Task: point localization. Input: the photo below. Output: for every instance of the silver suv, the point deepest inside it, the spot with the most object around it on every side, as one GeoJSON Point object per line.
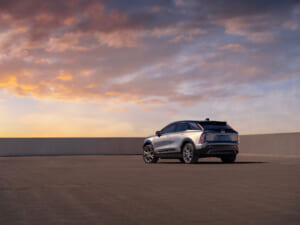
{"type": "Point", "coordinates": [188, 140]}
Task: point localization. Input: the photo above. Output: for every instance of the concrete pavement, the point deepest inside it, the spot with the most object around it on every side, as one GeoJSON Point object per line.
{"type": "Point", "coordinates": [123, 190]}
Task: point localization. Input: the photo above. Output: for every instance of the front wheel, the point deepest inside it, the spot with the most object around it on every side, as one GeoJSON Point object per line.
{"type": "Point", "coordinates": [188, 154]}
{"type": "Point", "coordinates": [148, 154]}
{"type": "Point", "coordinates": [228, 158]}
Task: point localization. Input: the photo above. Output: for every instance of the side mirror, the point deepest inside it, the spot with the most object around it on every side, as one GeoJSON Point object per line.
{"type": "Point", "coordinates": [158, 133]}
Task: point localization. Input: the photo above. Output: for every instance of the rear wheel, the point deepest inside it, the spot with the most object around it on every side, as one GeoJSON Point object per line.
{"type": "Point", "coordinates": [188, 153]}
{"type": "Point", "coordinates": [181, 160]}
{"type": "Point", "coordinates": [228, 158]}
{"type": "Point", "coordinates": [148, 154]}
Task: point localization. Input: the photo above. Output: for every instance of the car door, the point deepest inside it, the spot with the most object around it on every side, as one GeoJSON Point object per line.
{"type": "Point", "coordinates": [163, 143]}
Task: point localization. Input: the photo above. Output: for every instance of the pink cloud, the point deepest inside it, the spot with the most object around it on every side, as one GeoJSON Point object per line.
{"type": "Point", "coordinates": [233, 47]}
{"type": "Point", "coordinates": [69, 41]}
{"type": "Point", "coordinates": [243, 97]}
{"type": "Point", "coordinates": [251, 27]}
{"type": "Point", "coordinates": [115, 55]}
{"type": "Point", "coordinates": [119, 39]}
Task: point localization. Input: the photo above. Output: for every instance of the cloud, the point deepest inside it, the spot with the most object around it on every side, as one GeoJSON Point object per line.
{"type": "Point", "coordinates": [243, 97]}
{"type": "Point", "coordinates": [147, 61]}
{"type": "Point", "coordinates": [65, 76]}
{"type": "Point", "coordinates": [234, 47]}
{"type": "Point", "coordinates": [117, 109]}
{"type": "Point", "coordinates": [167, 112]}
{"type": "Point", "coordinates": [251, 27]}
{"type": "Point", "coordinates": [149, 53]}
{"type": "Point", "coordinates": [69, 41]}
{"type": "Point", "coordinates": [119, 39]}
{"type": "Point", "coordinates": [147, 109]}
{"type": "Point", "coordinates": [149, 102]}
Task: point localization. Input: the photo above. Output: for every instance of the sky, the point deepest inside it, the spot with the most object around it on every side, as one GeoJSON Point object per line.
{"type": "Point", "coordinates": [99, 68]}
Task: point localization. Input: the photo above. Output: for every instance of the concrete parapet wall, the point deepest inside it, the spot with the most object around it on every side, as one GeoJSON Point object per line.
{"type": "Point", "coordinates": [272, 144]}
{"type": "Point", "coordinates": [70, 146]}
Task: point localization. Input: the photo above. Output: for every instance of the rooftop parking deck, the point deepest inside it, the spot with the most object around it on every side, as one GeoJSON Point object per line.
{"type": "Point", "coordinates": [123, 190]}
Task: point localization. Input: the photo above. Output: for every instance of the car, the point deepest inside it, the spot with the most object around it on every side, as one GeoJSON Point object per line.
{"type": "Point", "coordinates": [189, 140]}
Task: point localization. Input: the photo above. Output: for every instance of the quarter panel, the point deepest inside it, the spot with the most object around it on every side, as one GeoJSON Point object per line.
{"type": "Point", "coordinates": [194, 135]}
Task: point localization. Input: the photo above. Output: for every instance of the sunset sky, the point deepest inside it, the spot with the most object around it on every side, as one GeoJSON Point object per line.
{"type": "Point", "coordinates": [100, 68]}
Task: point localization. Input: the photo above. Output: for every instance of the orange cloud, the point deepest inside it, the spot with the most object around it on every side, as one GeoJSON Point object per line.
{"type": "Point", "coordinates": [86, 72]}
{"type": "Point", "coordinates": [9, 81]}
{"type": "Point", "coordinates": [27, 87]}
{"type": "Point", "coordinates": [112, 93]}
{"type": "Point", "coordinates": [21, 29]}
{"type": "Point", "coordinates": [91, 86]}
{"type": "Point", "coordinates": [120, 96]}
{"type": "Point", "coordinates": [65, 76]}
{"type": "Point", "coordinates": [117, 109]}
{"type": "Point", "coordinates": [147, 109]}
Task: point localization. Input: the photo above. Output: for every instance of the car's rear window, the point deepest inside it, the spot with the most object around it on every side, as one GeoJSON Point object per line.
{"type": "Point", "coordinates": [216, 126]}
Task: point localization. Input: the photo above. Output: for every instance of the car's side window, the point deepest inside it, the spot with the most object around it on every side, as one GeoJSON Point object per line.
{"type": "Point", "coordinates": [181, 127]}
{"type": "Point", "coordinates": [194, 126]}
{"type": "Point", "coordinates": [169, 129]}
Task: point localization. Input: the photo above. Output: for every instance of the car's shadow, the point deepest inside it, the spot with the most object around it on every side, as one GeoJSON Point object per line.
{"type": "Point", "coordinates": [213, 163]}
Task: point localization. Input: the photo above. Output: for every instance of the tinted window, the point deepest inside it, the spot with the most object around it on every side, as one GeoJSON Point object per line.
{"type": "Point", "coordinates": [168, 129]}
{"type": "Point", "coordinates": [216, 123]}
{"type": "Point", "coordinates": [194, 126]}
{"type": "Point", "coordinates": [181, 127]}
{"type": "Point", "coordinates": [217, 126]}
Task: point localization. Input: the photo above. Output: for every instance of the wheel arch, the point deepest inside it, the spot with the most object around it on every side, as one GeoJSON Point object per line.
{"type": "Point", "coordinates": [186, 140]}
{"type": "Point", "coordinates": [148, 142]}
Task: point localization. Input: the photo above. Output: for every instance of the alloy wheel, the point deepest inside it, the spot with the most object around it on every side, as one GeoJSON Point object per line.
{"type": "Point", "coordinates": [188, 153]}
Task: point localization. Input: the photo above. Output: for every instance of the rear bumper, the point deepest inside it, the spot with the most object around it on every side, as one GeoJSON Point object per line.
{"type": "Point", "coordinates": [217, 149]}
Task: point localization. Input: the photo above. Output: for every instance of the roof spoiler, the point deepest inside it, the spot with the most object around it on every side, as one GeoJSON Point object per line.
{"type": "Point", "coordinates": [209, 122]}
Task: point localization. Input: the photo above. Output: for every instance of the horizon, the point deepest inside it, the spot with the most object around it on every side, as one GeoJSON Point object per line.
{"type": "Point", "coordinates": [126, 69]}
{"type": "Point", "coordinates": [70, 137]}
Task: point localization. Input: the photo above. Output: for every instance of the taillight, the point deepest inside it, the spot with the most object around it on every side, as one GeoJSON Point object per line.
{"type": "Point", "coordinates": [202, 139]}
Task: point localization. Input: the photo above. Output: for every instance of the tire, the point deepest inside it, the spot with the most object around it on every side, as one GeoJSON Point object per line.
{"type": "Point", "coordinates": [148, 154]}
{"type": "Point", "coordinates": [228, 158]}
{"type": "Point", "coordinates": [188, 154]}
{"type": "Point", "coordinates": [181, 160]}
